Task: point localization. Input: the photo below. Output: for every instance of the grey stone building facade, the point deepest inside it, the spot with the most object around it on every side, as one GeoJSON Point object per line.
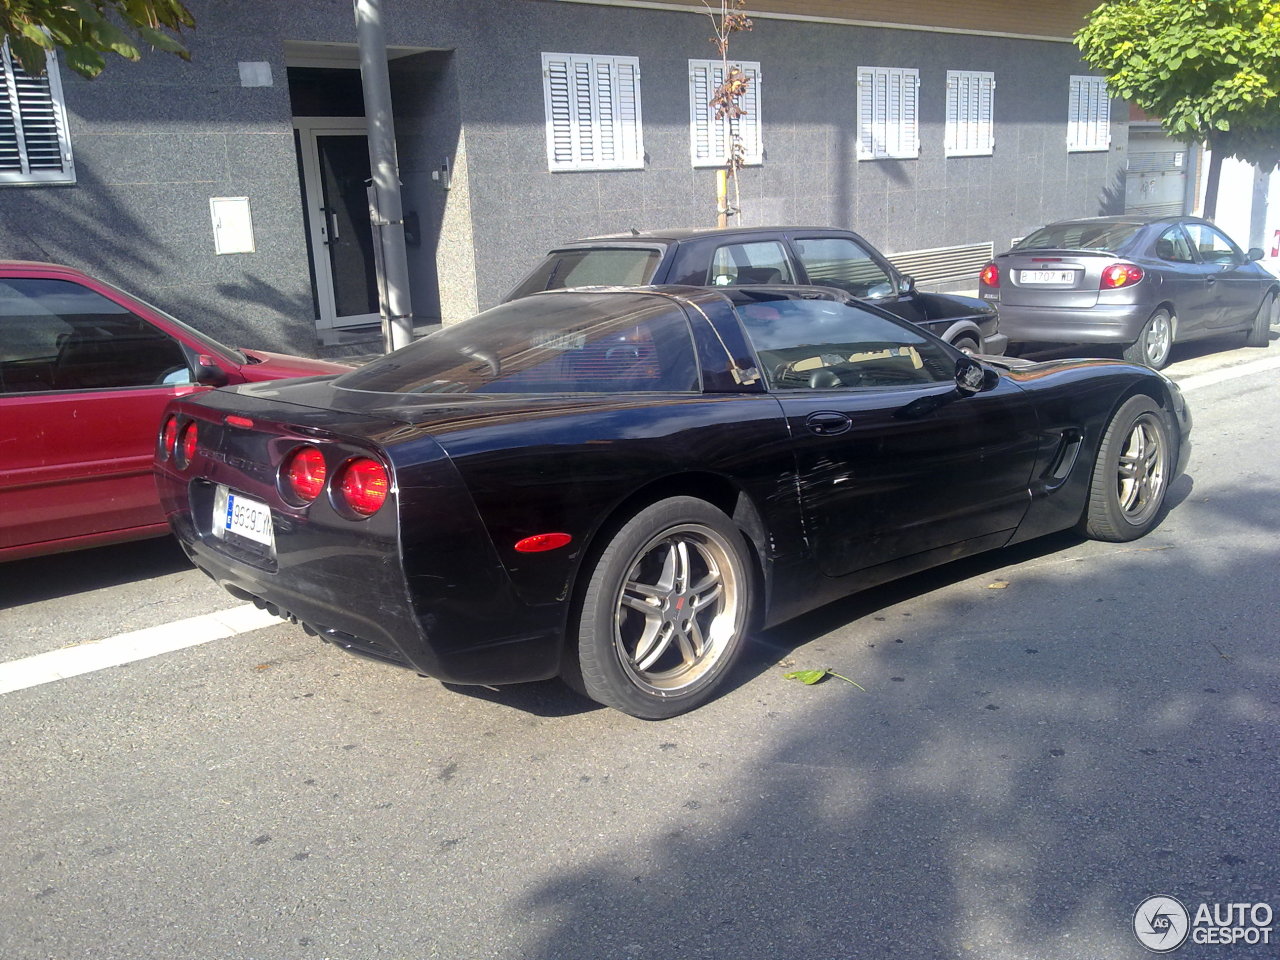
{"type": "Point", "coordinates": [269, 109]}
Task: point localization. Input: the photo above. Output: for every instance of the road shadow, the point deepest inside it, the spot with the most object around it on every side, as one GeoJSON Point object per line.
{"type": "Point", "coordinates": [65, 574]}
{"type": "Point", "coordinates": [1009, 785]}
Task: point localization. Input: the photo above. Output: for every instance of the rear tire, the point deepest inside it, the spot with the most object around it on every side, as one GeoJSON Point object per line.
{"type": "Point", "coordinates": [967, 345]}
{"type": "Point", "coordinates": [1260, 332]}
{"type": "Point", "coordinates": [1154, 343]}
{"type": "Point", "coordinates": [1131, 474]}
{"type": "Point", "coordinates": [665, 611]}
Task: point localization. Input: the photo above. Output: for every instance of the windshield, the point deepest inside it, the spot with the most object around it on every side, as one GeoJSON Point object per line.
{"type": "Point", "coordinates": [1109, 235]}
{"type": "Point", "coordinates": [555, 343]}
{"type": "Point", "coordinates": [591, 267]}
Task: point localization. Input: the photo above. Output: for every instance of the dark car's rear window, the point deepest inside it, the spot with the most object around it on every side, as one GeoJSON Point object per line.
{"type": "Point", "coordinates": [591, 267]}
{"type": "Point", "coordinates": [557, 343]}
{"type": "Point", "coordinates": [1080, 235]}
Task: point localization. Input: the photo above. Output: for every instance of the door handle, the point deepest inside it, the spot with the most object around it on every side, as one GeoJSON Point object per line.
{"type": "Point", "coordinates": [827, 423]}
{"type": "Point", "coordinates": [1210, 280]}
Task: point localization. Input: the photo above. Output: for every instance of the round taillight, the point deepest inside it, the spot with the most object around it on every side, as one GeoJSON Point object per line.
{"type": "Point", "coordinates": [990, 275]}
{"type": "Point", "coordinates": [186, 444]}
{"type": "Point", "coordinates": [304, 474]}
{"type": "Point", "coordinates": [1116, 275]}
{"type": "Point", "coordinates": [362, 486]}
{"type": "Point", "coordinates": [169, 437]}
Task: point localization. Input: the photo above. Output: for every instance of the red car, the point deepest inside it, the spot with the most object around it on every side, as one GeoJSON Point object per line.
{"type": "Point", "coordinates": [85, 371]}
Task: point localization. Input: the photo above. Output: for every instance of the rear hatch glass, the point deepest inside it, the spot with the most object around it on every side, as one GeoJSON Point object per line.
{"type": "Point", "coordinates": [1060, 265]}
{"type": "Point", "coordinates": [591, 267]}
{"type": "Point", "coordinates": [567, 343]}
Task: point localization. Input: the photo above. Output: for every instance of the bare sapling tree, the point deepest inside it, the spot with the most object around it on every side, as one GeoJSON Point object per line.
{"type": "Point", "coordinates": [726, 102]}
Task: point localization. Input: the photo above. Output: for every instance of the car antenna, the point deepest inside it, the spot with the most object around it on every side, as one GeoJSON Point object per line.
{"type": "Point", "coordinates": [635, 232]}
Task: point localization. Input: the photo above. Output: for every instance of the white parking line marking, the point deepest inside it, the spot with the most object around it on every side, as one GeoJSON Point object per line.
{"type": "Point", "coordinates": [128, 647]}
{"type": "Point", "coordinates": [1227, 373]}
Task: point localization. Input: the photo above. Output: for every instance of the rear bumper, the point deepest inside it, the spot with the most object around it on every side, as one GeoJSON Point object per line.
{"type": "Point", "coordinates": [417, 584]}
{"type": "Point", "coordinates": [1104, 323]}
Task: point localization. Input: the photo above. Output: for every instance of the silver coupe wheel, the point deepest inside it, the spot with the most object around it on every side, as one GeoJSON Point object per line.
{"type": "Point", "coordinates": [1131, 473]}
{"type": "Point", "coordinates": [1141, 472]}
{"type": "Point", "coordinates": [679, 607]}
{"type": "Point", "coordinates": [1154, 343]}
{"type": "Point", "coordinates": [664, 611]}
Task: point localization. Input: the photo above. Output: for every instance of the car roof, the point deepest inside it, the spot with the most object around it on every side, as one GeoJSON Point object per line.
{"type": "Point", "coordinates": [37, 266]}
{"type": "Point", "coordinates": [1138, 218]}
{"type": "Point", "coordinates": [679, 234]}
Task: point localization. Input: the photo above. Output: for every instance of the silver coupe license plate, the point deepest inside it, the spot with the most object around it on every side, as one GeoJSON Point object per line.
{"type": "Point", "coordinates": [233, 513]}
{"type": "Point", "coordinates": [1048, 276]}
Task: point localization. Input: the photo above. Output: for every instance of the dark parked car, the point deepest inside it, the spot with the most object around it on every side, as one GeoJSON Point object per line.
{"type": "Point", "coordinates": [1142, 282]}
{"type": "Point", "coordinates": [85, 372]}
{"type": "Point", "coordinates": [616, 486]}
{"type": "Point", "coordinates": [751, 255]}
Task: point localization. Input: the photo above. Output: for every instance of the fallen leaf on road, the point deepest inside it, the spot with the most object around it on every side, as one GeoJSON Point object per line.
{"type": "Point", "coordinates": [810, 677]}
{"type": "Point", "coordinates": [997, 584]}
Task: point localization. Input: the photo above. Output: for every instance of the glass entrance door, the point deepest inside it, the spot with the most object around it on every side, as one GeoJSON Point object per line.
{"type": "Point", "coordinates": [334, 156]}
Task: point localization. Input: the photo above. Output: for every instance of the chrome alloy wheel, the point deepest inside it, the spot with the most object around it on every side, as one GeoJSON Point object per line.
{"type": "Point", "coordinates": [680, 607]}
{"type": "Point", "coordinates": [1142, 470]}
{"type": "Point", "coordinates": [1157, 339]}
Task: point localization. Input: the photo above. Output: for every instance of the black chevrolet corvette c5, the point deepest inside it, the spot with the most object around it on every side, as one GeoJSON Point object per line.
{"type": "Point", "coordinates": [616, 486]}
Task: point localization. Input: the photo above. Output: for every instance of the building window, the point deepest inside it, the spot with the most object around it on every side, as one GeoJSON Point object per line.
{"type": "Point", "coordinates": [970, 129]}
{"type": "Point", "coordinates": [593, 112]}
{"type": "Point", "coordinates": [709, 136]}
{"type": "Point", "coordinates": [1089, 114]}
{"type": "Point", "coordinates": [34, 145]}
{"type": "Point", "coordinates": [888, 113]}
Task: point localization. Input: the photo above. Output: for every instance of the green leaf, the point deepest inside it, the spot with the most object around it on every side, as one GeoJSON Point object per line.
{"type": "Point", "coordinates": [162, 41]}
{"type": "Point", "coordinates": [84, 60]}
{"type": "Point", "coordinates": [809, 677]}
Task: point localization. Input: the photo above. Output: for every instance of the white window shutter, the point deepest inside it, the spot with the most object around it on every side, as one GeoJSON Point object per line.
{"type": "Point", "coordinates": [1088, 114]}
{"type": "Point", "coordinates": [970, 120]}
{"type": "Point", "coordinates": [703, 126]}
{"type": "Point", "coordinates": [34, 143]}
{"type": "Point", "coordinates": [592, 112]}
{"type": "Point", "coordinates": [888, 113]}
{"type": "Point", "coordinates": [709, 135]}
{"type": "Point", "coordinates": [867, 114]}
{"type": "Point", "coordinates": [751, 123]}
{"type": "Point", "coordinates": [629, 134]}
{"type": "Point", "coordinates": [560, 139]}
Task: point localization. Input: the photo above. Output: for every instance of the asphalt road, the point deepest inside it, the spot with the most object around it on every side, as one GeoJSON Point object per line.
{"type": "Point", "coordinates": [1048, 736]}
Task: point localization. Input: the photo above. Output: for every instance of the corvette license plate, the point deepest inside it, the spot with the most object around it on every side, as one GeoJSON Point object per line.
{"type": "Point", "coordinates": [1047, 276]}
{"type": "Point", "coordinates": [233, 513]}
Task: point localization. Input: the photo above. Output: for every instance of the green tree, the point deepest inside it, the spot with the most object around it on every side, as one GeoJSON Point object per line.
{"type": "Point", "coordinates": [1209, 69]}
{"type": "Point", "coordinates": [86, 29]}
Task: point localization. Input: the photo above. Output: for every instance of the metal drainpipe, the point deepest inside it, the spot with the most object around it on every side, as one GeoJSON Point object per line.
{"type": "Point", "coordinates": [386, 212]}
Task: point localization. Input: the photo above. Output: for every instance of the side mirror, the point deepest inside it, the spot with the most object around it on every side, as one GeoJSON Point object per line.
{"type": "Point", "coordinates": [906, 284]}
{"type": "Point", "coordinates": [207, 373]}
{"type": "Point", "coordinates": [1255, 253]}
{"type": "Point", "coordinates": [972, 377]}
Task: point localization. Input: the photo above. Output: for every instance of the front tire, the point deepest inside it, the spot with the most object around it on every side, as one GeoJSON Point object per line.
{"type": "Point", "coordinates": [1131, 474]}
{"type": "Point", "coordinates": [1260, 332]}
{"type": "Point", "coordinates": [1154, 343]}
{"type": "Point", "coordinates": [665, 611]}
{"type": "Point", "coordinates": [967, 345]}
